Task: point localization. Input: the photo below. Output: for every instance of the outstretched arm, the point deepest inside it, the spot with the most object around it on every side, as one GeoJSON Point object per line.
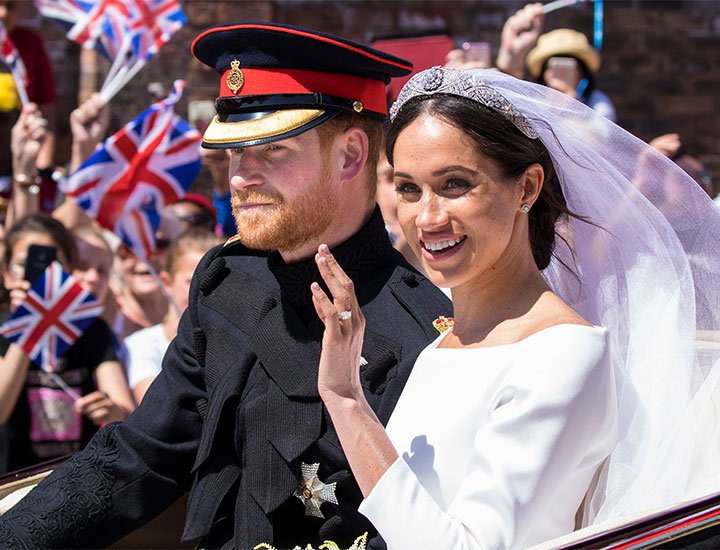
{"type": "Point", "coordinates": [519, 36]}
{"type": "Point", "coordinates": [28, 135]}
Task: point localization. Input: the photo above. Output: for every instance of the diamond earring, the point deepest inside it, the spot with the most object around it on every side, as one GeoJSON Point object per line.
{"type": "Point", "coordinates": [525, 208]}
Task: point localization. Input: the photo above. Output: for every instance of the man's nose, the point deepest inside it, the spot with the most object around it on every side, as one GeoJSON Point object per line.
{"type": "Point", "coordinates": [245, 169]}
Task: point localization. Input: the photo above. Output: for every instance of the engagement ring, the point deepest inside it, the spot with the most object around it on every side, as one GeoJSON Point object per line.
{"type": "Point", "coordinates": [345, 315]}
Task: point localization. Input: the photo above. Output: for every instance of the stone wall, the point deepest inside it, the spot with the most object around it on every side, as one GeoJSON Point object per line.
{"type": "Point", "coordinates": [660, 67]}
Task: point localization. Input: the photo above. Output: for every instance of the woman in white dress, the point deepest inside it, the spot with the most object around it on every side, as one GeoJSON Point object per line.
{"type": "Point", "coordinates": [525, 203]}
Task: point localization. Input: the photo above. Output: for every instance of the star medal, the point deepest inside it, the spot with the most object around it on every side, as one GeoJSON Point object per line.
{"type": "Point", "coordinates": [314, 492]}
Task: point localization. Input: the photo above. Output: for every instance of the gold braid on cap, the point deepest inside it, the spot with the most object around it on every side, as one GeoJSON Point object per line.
{"type": "Point", "coordinates": [463, 83]}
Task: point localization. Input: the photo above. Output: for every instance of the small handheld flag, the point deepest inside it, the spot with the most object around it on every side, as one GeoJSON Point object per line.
{"type": "Point", "coordinates": [54, 315]}
{"type": "Point", "coordinates": [148, 164]}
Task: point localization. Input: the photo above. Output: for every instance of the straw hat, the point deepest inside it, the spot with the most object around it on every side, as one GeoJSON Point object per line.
{"type": "Point", "coordinates": [562, 42]}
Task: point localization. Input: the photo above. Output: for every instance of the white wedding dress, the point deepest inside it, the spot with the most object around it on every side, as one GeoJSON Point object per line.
{"type": "Point", "coordinates": [497, 445]}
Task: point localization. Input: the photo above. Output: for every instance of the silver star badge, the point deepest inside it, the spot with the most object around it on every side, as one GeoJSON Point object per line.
{"type": "Point", "coordinates": [314, 492]}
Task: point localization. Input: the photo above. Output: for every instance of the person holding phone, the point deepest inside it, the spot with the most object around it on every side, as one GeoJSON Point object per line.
{"type": "Point", "coordinates": [40, 420]}
{"type": "Point", "coordinates": [564, 60]}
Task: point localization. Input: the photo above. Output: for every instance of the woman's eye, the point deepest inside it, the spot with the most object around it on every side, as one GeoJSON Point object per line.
{"type": "Point", "coordinates": [456, 184]}
{"type": "Point", "coordinates": [405, 188]}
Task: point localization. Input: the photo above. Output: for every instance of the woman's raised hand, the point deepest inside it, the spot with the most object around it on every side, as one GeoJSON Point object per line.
{"type": "Point", "coordinates": [339, 369]}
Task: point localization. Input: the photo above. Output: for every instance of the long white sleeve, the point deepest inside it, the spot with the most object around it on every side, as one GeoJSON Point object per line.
{"type": "Point", "coordinates": [497, 445]}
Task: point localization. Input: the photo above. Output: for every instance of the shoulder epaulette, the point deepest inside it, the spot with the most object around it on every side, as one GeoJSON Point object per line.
{"type": "Point", "coordinates": [232, 239]}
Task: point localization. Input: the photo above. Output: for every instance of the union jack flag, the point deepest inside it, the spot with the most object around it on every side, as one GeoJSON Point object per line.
{"type": "Point", "coordinates": [106, 24]}
{"type": "Point", "coordinates": [11, 57]}
{"type": "Point", "coordinates": [153, 23]}
{"type": "Point", "coordinates": [54, 315]}
{"type": "Point", "coordinates": [64, 13]}
{"type": "Point", "coordinates": [148, 164]}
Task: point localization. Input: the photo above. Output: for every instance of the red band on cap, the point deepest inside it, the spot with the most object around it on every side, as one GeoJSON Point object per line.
{"type": "Point", "coordinates": [295, 81]}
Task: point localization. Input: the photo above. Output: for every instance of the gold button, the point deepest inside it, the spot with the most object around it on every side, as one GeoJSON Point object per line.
{"type": "Point", "coordinates": [358, 106]}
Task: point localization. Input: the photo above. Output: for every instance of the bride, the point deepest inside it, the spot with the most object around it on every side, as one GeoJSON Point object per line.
{"type": "Point", "coordinates": [581, 287]}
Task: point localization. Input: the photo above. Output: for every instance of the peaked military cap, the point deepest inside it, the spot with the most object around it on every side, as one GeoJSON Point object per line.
{"type": "Point", "coordinates": [279, 81]}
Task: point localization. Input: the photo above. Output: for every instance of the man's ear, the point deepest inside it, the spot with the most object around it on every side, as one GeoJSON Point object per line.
{"type": "Point", "coordinates": [532, 182]}
{"type": "Point", "coordinates": [354, 145]}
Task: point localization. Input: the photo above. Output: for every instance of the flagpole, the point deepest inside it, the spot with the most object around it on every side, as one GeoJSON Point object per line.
{"type": "Point", "coordinates": [21, 91]}
{"type": "Point", "coordinates": [122, 78]}
{"type": "Point", "coordinates": [155, 275]}
{"type": "Point", "coordinates": [557, 4]}
{"type": "Point", "coordinates": [60, 382]}
{"type": "Point", "coordinates": [117, 62]}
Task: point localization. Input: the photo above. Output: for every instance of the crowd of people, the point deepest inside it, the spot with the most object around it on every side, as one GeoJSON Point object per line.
{"type": "Point", "coordinates": [309, 380]}
{"type": "Point", "coordinates": [113, 362]}
{"type": "Point", "coordinates": [104, 375]}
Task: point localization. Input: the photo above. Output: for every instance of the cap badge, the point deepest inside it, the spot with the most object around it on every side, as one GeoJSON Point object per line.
{"type": "Point", "coordinates": [235, 78]}
{"type": "Point", "coordinates": [358, 106]}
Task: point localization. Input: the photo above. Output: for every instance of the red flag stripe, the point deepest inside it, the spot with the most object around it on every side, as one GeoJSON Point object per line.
{"type": "Point", "coordinates": [52, 316]}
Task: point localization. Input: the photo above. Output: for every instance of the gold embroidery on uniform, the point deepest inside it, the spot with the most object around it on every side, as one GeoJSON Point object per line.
{"type": "Point", "coordinates": [359, 544]}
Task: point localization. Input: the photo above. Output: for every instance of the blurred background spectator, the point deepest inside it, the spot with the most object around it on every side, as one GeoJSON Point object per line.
{"type": "Point", "coordinates": [47, 414]}
{"type": "Point", "coordinates": [40, 88]}
{"type": "Point", "coordinates": [146, 347]}
{"type": "Point", "coordinates": [563, 59]}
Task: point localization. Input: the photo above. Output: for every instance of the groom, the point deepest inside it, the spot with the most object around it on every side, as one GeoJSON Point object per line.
{"type": "Point", "coordinates": [235, 415]}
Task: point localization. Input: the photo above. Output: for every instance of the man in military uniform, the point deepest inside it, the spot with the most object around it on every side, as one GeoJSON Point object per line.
{"type": "Point", "coordinates": [235, 413]}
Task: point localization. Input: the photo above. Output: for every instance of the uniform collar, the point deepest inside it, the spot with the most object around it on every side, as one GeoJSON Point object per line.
{"type": "Point", "coordinates": [360, 256]}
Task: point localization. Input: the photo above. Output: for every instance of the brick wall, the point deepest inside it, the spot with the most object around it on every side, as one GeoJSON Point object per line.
{"type": "Point", "coordinates": [660, 67]}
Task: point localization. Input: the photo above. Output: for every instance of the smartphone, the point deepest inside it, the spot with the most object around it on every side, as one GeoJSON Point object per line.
{"type": "Point", "coordinates": [477, 52]}
{"type": "Point", "coordinates": [565, 69]}
{"type": "Point", "coordinates": [38, 258]}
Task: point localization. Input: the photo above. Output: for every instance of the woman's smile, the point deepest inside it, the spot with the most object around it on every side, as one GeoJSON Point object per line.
{"type": "Point", "coordinates": [437, 250]}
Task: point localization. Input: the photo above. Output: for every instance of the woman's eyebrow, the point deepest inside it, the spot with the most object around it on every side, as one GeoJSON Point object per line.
{"type": "Point", "coordinates": [456, 168]}
{"type": "Point", "coordinates": [439, 172]}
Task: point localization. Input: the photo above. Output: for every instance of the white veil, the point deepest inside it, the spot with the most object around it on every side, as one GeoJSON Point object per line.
{"type": "Point", "coordinates": [649, 272]}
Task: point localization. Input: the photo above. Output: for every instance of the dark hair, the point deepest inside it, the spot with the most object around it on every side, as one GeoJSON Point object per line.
{"type": "Point", "coordinates": [497, 138]}
{"type": "Point", "coordinates": [40, 223]}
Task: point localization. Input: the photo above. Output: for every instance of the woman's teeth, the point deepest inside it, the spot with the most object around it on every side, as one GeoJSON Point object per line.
{"type": "Point", "coordinates": [434, 247]}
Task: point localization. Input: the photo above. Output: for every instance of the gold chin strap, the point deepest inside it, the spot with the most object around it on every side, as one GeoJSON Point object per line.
{"type": "Point", "coordinates": [275, 124]}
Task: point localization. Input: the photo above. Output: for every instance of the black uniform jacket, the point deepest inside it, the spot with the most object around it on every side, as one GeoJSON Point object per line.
{"type": "Point", "coordinates": [236, 410]}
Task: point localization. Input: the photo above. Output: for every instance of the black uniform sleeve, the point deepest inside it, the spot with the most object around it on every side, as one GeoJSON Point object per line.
{"type": "Point", "coordinates": [130, 471]}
